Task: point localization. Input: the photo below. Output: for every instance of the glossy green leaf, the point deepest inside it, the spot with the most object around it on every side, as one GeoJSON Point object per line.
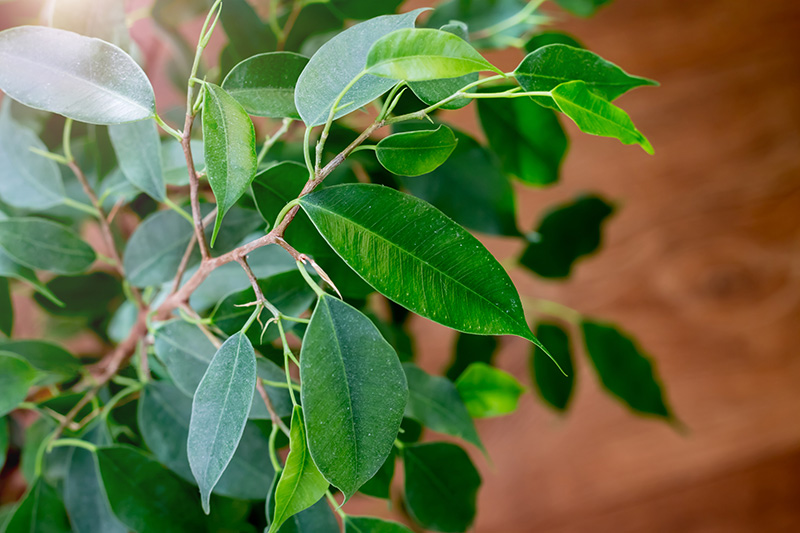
{"type": "Point", "coordinates": [526, 137]}
{"type": "Point", "coordinates": [368, 524]}
{"type": "Point", "coordinates": [549, 66]}
{"type": "Point", "coordinates": [471, 349]}
{"type": "Point", "coordinates": [354, 392]}
{"type": "Point", "coordinates": [597, 116]}
{"type": "Point", "coordinates": [583, 8]}
{"type": "Point", "coordinates": [551, 37]}
{"type": "Point", "coordinates": [132, 479]}
{"type": "Point", "coordinates": [229, 147]}
{"type": "Point", "coordinates": [451, 278]}
{"type": "Point", "coordinates": [301, 485]}
{"type": "Point", "coordinates": [379, 485]}
{"type": "Point", "coordinates": [318, 518]}
{"type": "Point", "coordinates": [435, 403]}
{"type": "Point", "coordinates": [219, 412]}
{"type": "Point", "coordinates": [6, 308]}
{"type": "Point", "coordinates": [52, 362]}
{"type": "Point", "coordinates": [45, 245]}
{"type": "Point", "coordinates": [138, 149]}
{"type": "Point", "coordinates": [79, 77]}
{"type": "Point", "coordinates": [489, 392]}
{"type": "Point", "coordinates": [16, 377]}
{"type": "Point", "coordinates": [554, 387]}
{"type": "Point", "coordinates": [414, 153]}
{"type": "Point", "coordinates": [441, 486]}
{"type": "Point", "coordinates": [4, 439]}
{"type": "Point", "coordinates": [155, 249]}
{"type": "Point", "coordinates": [264, 84]}
{"type": "Point", "coordinates": [27, 180]}
{"type": "Point", "coordinates": [86, 295]}
{"type": "Point", "coordinates": [163, 418]}
{"type": "Point", "coordinates": [41, 511]}
{"type": "Point", "coordinates": [485, 201]}
{"type": "Point", "coordinates": [566, 233]}
{"type": "Point", "coordinates": [624, 369]}
{"type": "Point", "coordinates": [419, 54]}
{"type": "Point", "coordinates": [338, 62]}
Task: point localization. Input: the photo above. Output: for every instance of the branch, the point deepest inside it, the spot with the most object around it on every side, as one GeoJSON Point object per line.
{"type": "Point", "coordinates": [270, 408]}
{"type": "Point", "coordinates": [194, 183]}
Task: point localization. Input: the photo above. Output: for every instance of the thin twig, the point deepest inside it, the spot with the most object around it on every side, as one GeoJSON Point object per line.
{"type": "Point", "coordinates": [270, 408]}
{"type": "Point", "coordinates": [194, 184]}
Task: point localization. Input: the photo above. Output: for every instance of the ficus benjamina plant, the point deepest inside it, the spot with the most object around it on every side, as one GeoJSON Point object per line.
{"type": "Point", "coordinates": [250, 293]}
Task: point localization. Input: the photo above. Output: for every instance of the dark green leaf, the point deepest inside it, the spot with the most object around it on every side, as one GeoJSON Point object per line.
{"type": "Point", "coordinates": [230, 149]}
{"type": "Point", "coordinates": [45, 245]}
{"type": "Point", "coordinates": [16, 377]}
{"type": "Point", "coordinates": [596, 116]}
{"type": "Point", "coordinates": [551, 37]}
{"type": "Point", "coordinates": [379, 486]}
{"type": "Point", "coordinates": [87, 295]}
{"type": "Point", "coordinates": [414, 153]}
{"type": "Point", "coordinates": [441, 486]}
{"type": "Point", "coordinates": [625, 371]}
{"type": "Point", "coordinates": [315, 25]}
{"type": "Point", "coordinates": [6, 308]}
{"type": "Point", "coordinates": [338, 62]}
{"type": "Point", "coordinates": [450, 277]}
{"type": "Point", "coordinates": [583, 8]}
{"type": "Point", "coordinates": [434, 401]}
{"type": "Point", "coordinates": [41, 511]}
{"type": "Point", "coordinates": [364, 9]}
{"type": "Point", "coordinates": [52, 362]}
{"type": "Point", "coordinates": [11, 269]}
{"type": "Point", "coordinates": [219, 412]}
{"type": "Point", "coordinates": [487, 20]}
{"type": "Point", "coordinates": [264, 84]}
{"type": "Point", "coordinates": [565, 234]}
{"type": "Point", "coordinates": [79, 77]}
{"type": "Point", "coordinates": [144, 495]}
{"type": "Point", "coordinates": [471, 349]}
{"type": "Point", "coordinates": [3, 442]}
{"type": "Point", "coordinates": [554, 387]}
{"type": "Point", "coordinates": [138, 149]}
{"type": "Point", "coordinates": [354, 393]}
{"type": "Point", "coordinates": [489, 392]}
{"type": "Point", "coordinates": [155, 249]}
{"type": "Point", "coordinates": [247, 33]}
{"type": "Point", "coordinates": [301, 485]}
{"type": "Point", "coordinates": [368, 524]}
{"type": "Point", "coordinates": [527, 138]}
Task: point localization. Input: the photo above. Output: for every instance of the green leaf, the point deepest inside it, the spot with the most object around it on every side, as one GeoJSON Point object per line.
{"type": "Point", "coordinates": [551, 37]}
{"type": "Point", "coordinates": [16, 377]}
{"type": "Point", "coordinates": [624, 370]}
{"type": "Point", "coordinates": [414, 153]}
{"type": "Point", "coordinates": [420, 54]}
{"type": "Point", "coordinates": [485, 201]}
{"type": "Point", "coordinates": [596, 116]}
{"type": "Point", "coordinates": [52, 362]}
{"type": "Point", "coordinates": [301, 485]}
{"type": "Point", "coordinates": [318, 518]}
{"type": "Point", "coordinates": [45, 245]}
{"type": "Point", "coordinates": [229, 147]}
{"type": "Point", "coordinates": [27, 180]}
{"type": "Point", "coordinates": [368, 524]}
{"type": "Point", "coordinates": [566, 233]}
{"type": "Point", "coordinates": [554, 387]}
{"type": "Point", "coordinates": [6, 308]}
{"type": "Point", "coordinates": [488, 392]}
{"type": "Point", "coordinates": [435, 403]}
{"type": "Point", "coordinates": [450, 277]}
{"type": "Point", "coordinates": [264, 84]}
{"type": "Point", "coordinates": [173, 160]}
{"type": "Point", "coordinates": [163, 418]}
{"type": "Point", "coordinates": [4, 439]}
{"type": "Point", "coordinates": [549, 66]}
{"type": "Point", "coordinates": [338, 62]}
{"type": "Point", "coordinates": [485, 18]}
{"type": "Point", "coordinates": [82, 78]}
{"type": "Point", "coordinates": [11, 269]}
{"type": "Point", "coordinates": [219, 412]}
{"type": "Point", "coordinates": [379, 485]}
{"type": "Point", "coordinates": [247, 33]}
{"type": "Point", "coordinates": [154, 251]}
{"type": "Point", "coordinates": [526, 137]}
{"type": "Point", "coordinates": [86, 295]}
{"type": "Point", "coordinates": [471, 349]}
{"type": "Point", "coordinates": [41, 511]}
{"type": "Point", "coordinates": [144, 495]}
{"type": "Point", "coordinates": [353, 394]}
{"type": "Point", "coordinates": [441, 486]}
{"type": "Point", "coordinates": [583, 8]}
{"type": "Point", "coordinates": [138, 149]}
{"type": "Point", "coordinates": [364, 9]}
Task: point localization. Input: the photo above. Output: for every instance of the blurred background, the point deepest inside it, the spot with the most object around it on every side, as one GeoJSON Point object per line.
{"type": "Point", "coordinates": [701, 264]}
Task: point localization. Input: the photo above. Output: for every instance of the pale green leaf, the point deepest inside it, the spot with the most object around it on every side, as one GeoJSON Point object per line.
{"type": "Point", "coordinates": [264, 84]}
{"type": "Point", "coordinates": [45, 245]}
{"type": "Point", "coordinates": [138, 149]}
{"type": "Point", "coordinates": [414, 153]}
{"type": "Point", "coordinates": [488, 391]}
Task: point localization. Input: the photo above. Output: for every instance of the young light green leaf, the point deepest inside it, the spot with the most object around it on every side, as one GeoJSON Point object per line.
{"type": "Point", "coordinates": [219, 412]}
{"type": "Point", "coordinates": [27, 180]}
{"type": "Point", "coordinates": [230, 149]}
{"type": "Point", "coordinates": [338, 62]}
{"type": "Point", "coordinates": [16, 377]}
{"type": "Point", "coordinates": [488, 391]}
{"type": "Point", "coordinates": [354, 393]}
{"type": "Point", "coordinates": [582, 8]}
{"type": "Point", "coordinates": [318, 518]}
{"type": "Point", "coordinates": [441, 486]}
{"type": "Point", "coordinates": [471, 349]}
{"type": "Point", "coordinates": [138, 149]}
{"type": "Point", "coordinates": [6, 308]}
{"type": "Point", "coordinates": [40, 510]}
{"type": "Point", "coordinates": [82, 78]}
{"type": "Point", "coordinates": [155, 249]}
{"type": "Point", "coordinates": [451, 278]}
{"type": "Point", "coordinates": [625, 371]}
{"type": "Point", "coordinates": [597, 116]}
{"type": "Point", "coordinates": [301, 485]}
{"type": "Point", "coordinates": [414, 153]}
{"type": "Point", "coordinates": [264, 84]}
{"type": "Point", "coordinates": [52, 362]}
{"type": "Point", "coordinates": [369, 524]}
{"type": "Point", "coordinates": [420, 54]}
{"type": "Point", "coordinates": [435, 403]}
{"type": "Point", "coordinates": [549, 66]}
{"type": "Point", "coordinates": [131, 480]}
{"type": "Point", "coordinates": [554, 387]}
{"type": "Point", "coordinates": [566, 233]}
{"type": "Point", "coordinates": [45, 245]}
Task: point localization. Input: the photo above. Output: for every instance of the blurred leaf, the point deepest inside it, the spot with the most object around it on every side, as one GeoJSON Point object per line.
{"type": "Point", "coordinates": [551, 37]}
{"type": "Point", "coordinates": [379, 485]}
{"type": "Point", "coordinates": [583, 8]}
{"type": "Point", "coordinates": [104, 19]}
{"type": "Point", "coordinates": [471, 349]}
{"type": "Point", "coordinates": [45, 245]}
{"type": "Point", "coordinates": [52, 362]}
{"type": "Point", "coordinates": [488, 392]}
{"type": "Point", "coordinates": [368, 524]}
{"type": "Point", "coordinates": [247, 34]}
{"type": "Point", "coordinates": [365, 9]}
{"type": "Point", "coordinates": [11, 269]}
{"type": "Point", "coordinates": [414, 153]}
{"type": "Point", "coordinates": [554, 387]}
{"type": "Point", "coordinates": [87, 295]}
{"type": "Point", "coordinates": [174, 161]}
{"type": "Point", "coordinates": [155, 249]}
{"type": "Point", "coordinates": [16, 377]}
{"type": "Point", "coordinates": [6, 308]}
{"type": "Point", "coordinates": [315, 21]}
{"type": "Point", "coordinates": [138, 149]}
{"type": "Point", "coordinates": [4, 439]}
{"type": "Point", "coordinates": [484, 17]}
{"type": "Point", "coordinates": [264, 84]}
{"type": "Point", "coordinates": [41, 510]}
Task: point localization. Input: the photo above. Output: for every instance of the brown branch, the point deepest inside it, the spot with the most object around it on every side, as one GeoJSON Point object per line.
{"type": "Point", "coordinates": [270, 408]}
{"type": "Point", "coordinates": [187, 255]}
{"type": "Point", "coordinates": [194, 183]}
